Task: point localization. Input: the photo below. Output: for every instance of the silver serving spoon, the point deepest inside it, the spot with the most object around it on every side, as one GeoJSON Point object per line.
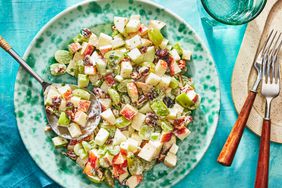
{"type": "Point", "coordinates": [94, 110]}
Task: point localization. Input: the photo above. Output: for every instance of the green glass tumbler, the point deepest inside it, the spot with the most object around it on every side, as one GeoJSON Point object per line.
{"type": "Point", "coordinates": [233, 12]}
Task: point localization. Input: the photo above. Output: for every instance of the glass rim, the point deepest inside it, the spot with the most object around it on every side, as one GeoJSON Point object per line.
{"type": "Point", "coordinates": [232, 23]}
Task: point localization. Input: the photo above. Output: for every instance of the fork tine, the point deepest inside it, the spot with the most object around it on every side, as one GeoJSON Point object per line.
{"type": "Point", "coordinates": [273, 53]}
{"type": "Point", "coordinates": [268, 46]}
{"type": "Point", "coordinates": [277, 65]}
{"type": "Point", "coordinates": [265, 44]}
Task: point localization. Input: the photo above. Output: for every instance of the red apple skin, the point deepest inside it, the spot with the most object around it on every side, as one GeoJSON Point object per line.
{"type": "Point", "coordinates": [166, 137]}
{"type": "Point", "coordinates": [84, 105]}
{"type": "Point", "coordinates": [89, 50]}
{"type": "Point", "coordinates": [110, 79]}
{"type": "Point", "coordinates": [128, 113]}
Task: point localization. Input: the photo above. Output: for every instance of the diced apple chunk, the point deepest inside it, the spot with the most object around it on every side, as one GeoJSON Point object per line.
{"type": "Point", "coordinates": [138, 121]}
{"type": "Point", "coordinates": [93, 39]}
{"type": "Point", "coordinates": [147, 152]}
{"type": "Point", "coordinates": [150, 151]}
{"type": "Point", "coordinates": [119, 137]}
{"type": "Point", "coordinates": [170, 160]}
{"type": "Point", "coordinates": [146, 88]}
{"type": "Point", "coordinates": [89, 70]}
{"type": "Point", "coordinates": [123, 176]}
{"type": "Point", "coordinates": [164, 44]}
{"type": "Point", "coordinates": [80, 118]}
{"type": "Point", "coordinates": [173, 149]}
{"type": "Point", "coordinates": [128, 111]}
{"type": "Point", "coordinates": [104, 40]}
{"type": "Point", "coordinates": [186, 55]}
{"type": "Point", "coordinates": [102, 136]}
{"type": "Point", "coordinates": [84, 105]}
{"type": "Point", "coordinates": [134, 42]}
{"type": "Point", "coordinates": [172, 114]}
{"type": "Point", "coordinates": [120, 23]}
{"type": "Point", "coordinates": [174, 68]}
{"type": "Point", "coordinates": [65, 91]}
{"type": "Point", "coordinates": [133, 181]}
{"type": "Point", "coordinates": [87, 49]}
{"type": "Point", "coordinates": [146, 108]}
{"type": "Point", "coordinates": [126, 69]}
{"type": "Point", "coordinates": [164, 82]}
{"type": "Point", "coordinates": [108, 116]}
{"type": "Point", "coordinates": [175, 54]}
{"type": "Point", "coordinates": [182, 133]}
{"type": "Point", "coordinates": [156, 24]}
{"type": "Point", "coordinates": [132, 145]}
{"type": "Point", "coordinates": [117, 42]}
{"type": "Point", "coordinates": [52, 93]}
{"type": "Point", "coordinates": [152, 79]}
{"type": "Point", "coordinates": [136, 137]}
{"type": "Point", "coordinates": [146, 42]}
{"type": "Point", "coordinates": [135, 55]}
{"type": "Point", "coordinates": [106, 103]}
{"type": "Point", "coordinates": [74, 130]}
{"type": "Point", "coordinates": [133, 24]}
{"type": "Point", "coordinates": [161, 67]}
{"type": "Point", "coordinates": [149, 55]}
{"type": "Point", "coordinates": [75, 101]}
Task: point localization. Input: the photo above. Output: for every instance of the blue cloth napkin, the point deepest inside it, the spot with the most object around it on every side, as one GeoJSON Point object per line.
{"type": "Point", "coordinates": [21, 20]}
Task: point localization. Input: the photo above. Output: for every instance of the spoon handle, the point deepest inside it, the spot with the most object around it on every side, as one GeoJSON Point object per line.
{"type": "Point", "coordinates": [5, 45]}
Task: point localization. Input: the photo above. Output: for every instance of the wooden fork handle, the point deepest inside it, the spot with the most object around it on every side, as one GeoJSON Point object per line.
{"type": "Point", "coordinates": [263, 160]}
{"type": "Point", "coordinates": [229, 149]}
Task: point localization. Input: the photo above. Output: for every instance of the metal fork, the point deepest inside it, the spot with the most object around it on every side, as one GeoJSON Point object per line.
{"type": "Point", "coordinates": [270, 89]}
{"type": "Point", "coordinates": [229, 149]}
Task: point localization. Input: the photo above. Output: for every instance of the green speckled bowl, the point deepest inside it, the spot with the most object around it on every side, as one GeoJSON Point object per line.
{"type": "Point", "coordinates": [56, 34]}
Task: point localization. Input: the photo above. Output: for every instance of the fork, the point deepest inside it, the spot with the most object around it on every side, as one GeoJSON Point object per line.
{"type": "Point", "coordinates": [228, 151]}
{"type": "Point", "coordinates": [270, 89]}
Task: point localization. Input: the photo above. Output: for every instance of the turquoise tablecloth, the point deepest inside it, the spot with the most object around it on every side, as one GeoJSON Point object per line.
{"type": "Point", "coordinates": [20, 20]}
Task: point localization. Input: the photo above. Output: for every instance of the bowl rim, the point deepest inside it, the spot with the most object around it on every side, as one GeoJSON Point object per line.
{"type": "Point", "coordinates": [156, 5]}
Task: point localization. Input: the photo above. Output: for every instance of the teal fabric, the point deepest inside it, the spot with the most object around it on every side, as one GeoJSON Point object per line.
{"type": "Point", "coordinates": [20, 20]}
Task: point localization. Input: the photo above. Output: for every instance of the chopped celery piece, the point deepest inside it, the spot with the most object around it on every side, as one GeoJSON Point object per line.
{"type": "Point", "coordinates": [160, 108]}
{"type": "Point", "coordinates": [155, 36]}
{"type": "Point", "coordinates": [63, 119]}
{"type": "Point", "coordinates": [173, 83]}
{"type": "Point", "coordinates": [81, 93]}
{"type": "Point", "coordinates": [78, 68]}
{"type": "Point", "coordinates": [184, 100]}
{"type": "Point", "coordinates": [83, 80]}
{"type": "Point", "coordinates": [79, 38]}
{"type": "Point", "coordinates": [86, 146]}
{"type": "Point", "coordinates": [145, 132]}
{"type": "Point", "coordinates": [114, 96]}
{"type": "Point", "coordinates": [122, 122]}
{"type": "Point", "coordinates": [166, 127]}
{"type": "Point", "coordinates": [155, 136]}
{"type": "Point", "coordinates": [178, 48]}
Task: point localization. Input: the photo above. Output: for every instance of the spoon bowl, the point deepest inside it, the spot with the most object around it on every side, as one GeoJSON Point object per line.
{"type": "Point", "coordinates": [94, 110]}
{"type": "Point", "coordinates": [92, 122]}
